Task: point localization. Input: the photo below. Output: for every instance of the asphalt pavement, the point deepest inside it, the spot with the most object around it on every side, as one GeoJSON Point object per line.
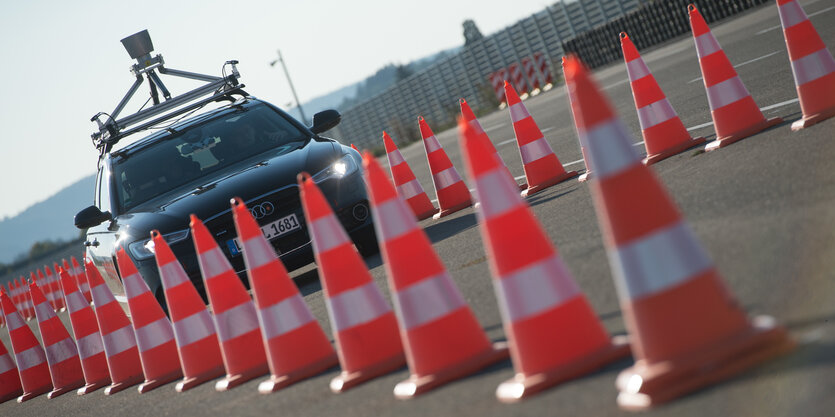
{"type": "Point", "coordinates": [764, 209]}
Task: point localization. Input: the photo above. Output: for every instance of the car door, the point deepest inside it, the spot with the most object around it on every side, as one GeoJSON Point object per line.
{"type": "Point", "coordinates": [102, 239]}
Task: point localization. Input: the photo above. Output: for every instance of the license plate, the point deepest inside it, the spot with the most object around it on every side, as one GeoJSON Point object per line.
{"type": "Point", "coordinates": [271, 231]}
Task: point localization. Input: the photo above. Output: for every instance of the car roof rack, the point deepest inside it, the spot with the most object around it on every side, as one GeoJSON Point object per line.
{"type": "Point", "coordinates": [139, 47]}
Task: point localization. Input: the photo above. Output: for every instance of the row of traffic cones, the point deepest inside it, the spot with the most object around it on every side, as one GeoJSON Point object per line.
{"type": "Point", "coordinates": [17, 289]}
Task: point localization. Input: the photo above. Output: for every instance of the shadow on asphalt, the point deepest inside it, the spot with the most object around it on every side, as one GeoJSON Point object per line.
{"type": "Point", "coordinates": [449, 228]}
{"type": "Point", "coordinates": [538, 199]}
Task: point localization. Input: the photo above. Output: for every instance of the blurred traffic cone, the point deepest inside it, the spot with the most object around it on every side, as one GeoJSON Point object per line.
{"type": "Point", "coordinates": [81, 280]}
{"type": "Point", "coordinates": [362, 322]}
{"type": "Point", "coordinates": [9, 378]}
{"type": "Point", "coordinates": [40, 279]}
{"type": "Point", "coordinates": [55, 286]}
{"type": "Point", "coordinates": [408, 187]}
{"type": "Point", "coordinates": [470, 118]}
{"type": "Point", "coordinates": [686, 329]}
{"type": "Point", "coordinates": [61, 353]}
{"type": "Point", "coordinates": [664, 133]}
{"type": "Point", "coordinates": [441, 336]}
{"type": "Point", "coordinates": [297, 347]}
{"type": "Point", "coordinates": [194, 332]}
{"type": "Point", "coordinates": [354, 147]}
{"type": "Point", "coordinates": [542, 167]}
{"type": "Point", "coordinates": [236, 322]}
{"type": "Point", "coordinates": [734, 112]}
{"type": "Point", "coordinates": [117, 335]}
{"type": "Point", "coordinates": [85, 328]}
{"type": "Point", "coordinates": [16, 294]}
{"type": "Point", "coordinates": [571, 100]}
{"type": "Point", "coordinates": [453, 195]}
{"type": "Point", "coordinates": [29, 356]}
{"type": "Point", "coordinates": [553, 332]}
{"type": "Point", "coordinates": [812, 65]}
{"type": "Point", "coordinates": [154, 335]}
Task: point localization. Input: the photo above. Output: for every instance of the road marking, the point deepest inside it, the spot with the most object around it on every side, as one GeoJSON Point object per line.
{"type": "Point", "coordinates": [495, 127]}
{"type": "Point", "coordinates": [547, 129]}
{"type": "Point", "coordinates": [505, 142]}
{"type": "Point", "coordinates": [744, 63]}
{"type": "Point", "coordinates": [766, 108]}
{"type": "Point", "coordinates": [700, 126]}
{"type": "Point", "coordinates": [809, 15]}
{"type": "Point", "coordinates": [616, 84]}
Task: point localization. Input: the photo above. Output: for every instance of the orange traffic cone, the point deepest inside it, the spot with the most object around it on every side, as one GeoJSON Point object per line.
{"type": "Point", "coordinates": [236, 322]}
{"type": "Point", "coordinates": [542, 167]}
{"type": "Point", "coordinates": [61, 353]}
{"type": "Point", "coordinates": [194, 332]}
{"type": "Point", "coordinates": [154, 335]}
{"type": "Point", "coordinates": [55, 286]}
{"type": "Point", "coordinates": [664, 133]}
{"type": "Point", "coordinates": [9, 378]}
{"type": "Point", "coordinates": [442, 337]}
{"type": "Point", "coordinates": [362, 322]}
{"type": "Point", "coordinates": [40, 279]}
{"type": "Point", "coordinates": [687, 330]}
{"type": "Point", "coordinates": [553, 332]}
{"type": "Point", "coordinates": [297, 347]}
{"type": "Point", "coordinates": [85, 328]}
{"type": "Point", "coordinates": [15, 293]}
{"type": "Point", "coordinates": [29, 356]}
{"type": "Point", "coordinates": [470, 118]}
{"type": "Point", "coordinates": [81, 280]}
{"type": "Point", "coordinates": [117, 335]}
{"type": "Point", "coordinates": [453, 194]}
{"type": "Point", "coordinates": [734, 112]}
{"type": "Point", "coordinates": [408, 187]}
{"type": "Point", "coordinates": [571, 100]}
{"type": "Point", "coordinates": [813, 66]}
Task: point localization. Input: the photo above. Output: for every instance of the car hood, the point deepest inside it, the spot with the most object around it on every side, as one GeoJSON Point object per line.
{"type": "Point", "coordinates": [248, 180]}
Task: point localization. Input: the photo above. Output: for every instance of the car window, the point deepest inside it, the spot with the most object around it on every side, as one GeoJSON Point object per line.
{"type": "Point", "coordinates": [201, 150]}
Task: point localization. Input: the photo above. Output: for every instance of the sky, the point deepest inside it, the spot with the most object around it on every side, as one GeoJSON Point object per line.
{"type": "Point", "coordinates": [64, 62]}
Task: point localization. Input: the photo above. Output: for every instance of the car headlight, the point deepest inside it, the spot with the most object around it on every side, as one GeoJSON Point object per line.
{"type": "Point", "coordinates": [343, 167]}
{"type": "Point", "coordinates": [144, 249]}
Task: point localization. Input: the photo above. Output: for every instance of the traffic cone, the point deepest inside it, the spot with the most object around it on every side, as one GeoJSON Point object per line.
{"type": "Point", "coordinates": [664, 133]}
{"type": "Point", "coordinates": [194, 332]}
{"type": "Point", "coordinates": [61, 353]}
{"type": "Point", "coordinates": [571, 100]}
{"type": "Point", "coordinates": [296, 346]}
{"type": "Point", "coordinates": [55, 286]}
{"type": "Point", "coordinates": [81, 280]}
{"type": "Point", "coordinates": [9, 378]}
{"type": "Point", "coordinates": [30, 306]}
{"type": "Point", "coordinates": [15, 293]}
{"type": "Point", "coordinates": [154, 335]}
{"type": "Point", "coordinates": [40, 279]}
{"type": "Point", "coordinates": [85, 328]}
{"type": "Point", "coordinates": [813, 66]}
{"type": "Point", "coordinates": [453, 195]}
{"type": "Point", "coordinates": [687, 330]}
{"type": "Point", "coordinates": [470, 118]}
{"type": "Point", "coordinates": [363, 324]}
{"type": "Point", "coordinates": [441, 336]}
{"type": "Point", "coordinates": [3, 317]}
{"type": "Point", "coordinates": [553, 333]}
{"type": "Point", "coordinates": [408, 187]}
{"type": "Point", "coordinates": [354, 147]}
{"type": "Point", "coordinates": [29, 356]}
{"type": "Point", "coordinates": [116, 333]}
{"type": "Point", "coordinates": [542, 167]}
{"type": "Point", "coordinates": [734, 112]}
{"type": "Point", "coordinates": [236, 322]}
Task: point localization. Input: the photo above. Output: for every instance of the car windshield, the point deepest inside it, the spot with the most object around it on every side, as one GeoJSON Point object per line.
{"type": "Point", "coordinates": [201, 150]}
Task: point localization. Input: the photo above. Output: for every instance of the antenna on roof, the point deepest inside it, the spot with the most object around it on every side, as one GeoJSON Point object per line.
{"type": "Point", "coordinates": [139, 47]}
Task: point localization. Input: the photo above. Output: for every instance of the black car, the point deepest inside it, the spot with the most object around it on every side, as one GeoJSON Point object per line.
{"type": "Point", "coordinates": [249, 149]}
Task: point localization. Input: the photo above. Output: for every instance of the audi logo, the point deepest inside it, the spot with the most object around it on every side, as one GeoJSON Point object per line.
{"type": "Point", "coordinates": [259, 211]}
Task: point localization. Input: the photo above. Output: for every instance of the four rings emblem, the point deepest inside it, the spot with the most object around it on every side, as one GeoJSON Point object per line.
{"type": "Point", "coordinates": [262, 210]}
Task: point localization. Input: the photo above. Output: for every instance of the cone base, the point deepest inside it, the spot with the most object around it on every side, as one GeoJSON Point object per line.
{"type": "Point", "coordinates": [427, 214]}
{"type": "Point", "coordinates": [674, 150]}
{"type": "Point", "coordinates": [417, 385]}
{"type": "Point", "coordinates": [11, 396]}
{"type": "Point", "coordinates": [736, 137]}
{"type": "Point", "coordinates": [123, 385]}
{"type": "Point", "coordinates": [190, 382]}
{"type": "Point", "coordinates": [32, 394]}
{"type": "Point", "coordinates": [449, 210]}
{"type": "Point", "coordinates": [807, 121]}
{"type": "Point", "coordinates": [232, 381]}
{"type": "Point", "coordinates": [585, 177]}
{"type": "Point", "coordinates": [523, 386]}
{"type": "Point", "coordinates": [664, 381]}
{"type": "Point", "coordinates": [92, 386]}
{"type": "Point", "coordinates": [276, 382]}
{"type": "Point", "coordinates": [550, 183]}
{"type": "Point", "coordinates": [154, 383]}
{"type": "Point", "coordinates": [347, 380]}
{"type": "Point", "coordinates": [65, 389]}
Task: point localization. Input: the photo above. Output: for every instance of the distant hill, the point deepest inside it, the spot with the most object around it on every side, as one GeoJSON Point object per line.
{"type": "Point", "coordinates": [51, 219]}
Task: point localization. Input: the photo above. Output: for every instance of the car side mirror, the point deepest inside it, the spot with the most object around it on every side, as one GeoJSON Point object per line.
{"type": "Point", "coordinates": [91, 216]}
{"type": "Point", "coordinates": [325, 120]}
